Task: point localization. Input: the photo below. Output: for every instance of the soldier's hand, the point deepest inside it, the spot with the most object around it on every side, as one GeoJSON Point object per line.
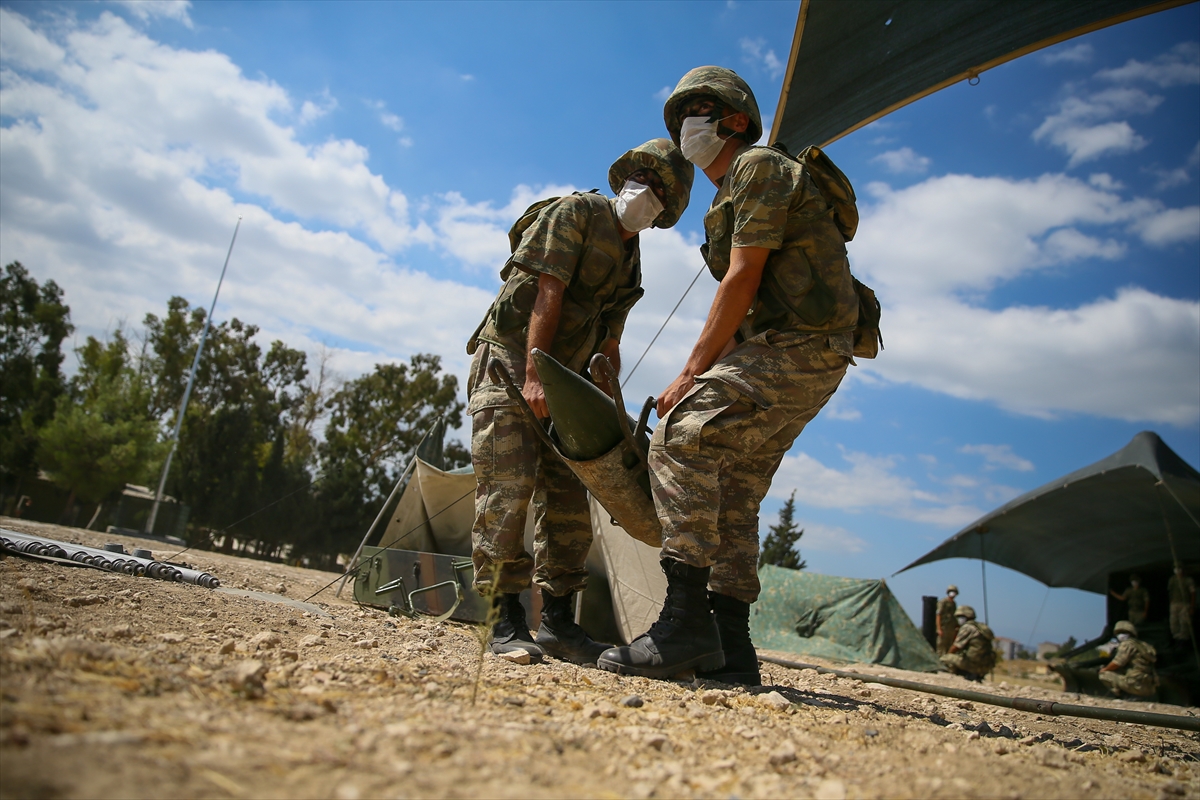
{"type": "Point", "coordinates": [535, 395]}
{"type": "Point", "coordinates": [674, 393]}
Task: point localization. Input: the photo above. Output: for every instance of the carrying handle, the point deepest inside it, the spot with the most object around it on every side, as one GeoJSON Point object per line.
{"type": "Point", "coordinates": [500, 375]}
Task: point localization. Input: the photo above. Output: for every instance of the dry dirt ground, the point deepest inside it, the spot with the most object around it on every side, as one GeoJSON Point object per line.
{"type": "Point", "coordinates": [114, 686]}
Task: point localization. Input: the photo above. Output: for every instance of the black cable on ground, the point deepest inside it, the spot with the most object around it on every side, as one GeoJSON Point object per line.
{"type": "Point", "coordinates": [1177, 721]}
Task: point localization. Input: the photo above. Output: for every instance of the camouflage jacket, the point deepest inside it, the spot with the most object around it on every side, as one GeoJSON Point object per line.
{"type": "Point", "coordinates": [1181, 591]}
{"type": "Point", "coordinates": [577, 240]}
{"type": "Point", "coordinates": [974, 641]}
{"type": "Point", "coordinates": [945, 613]}
{"type": "Point", "coordinates": [1136, 659]}
{"type": "Point", "coordinates": [767, 199]}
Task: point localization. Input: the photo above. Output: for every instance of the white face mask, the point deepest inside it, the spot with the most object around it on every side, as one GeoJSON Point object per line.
{"type": "Point", "coordinates": [961, 621]}
{"type": "Point", "coordinates": [1122, 637]}
{"type": "Point", "coordinates": [637, 207]}
{"type": "Point", "coordinates": [699, 141]}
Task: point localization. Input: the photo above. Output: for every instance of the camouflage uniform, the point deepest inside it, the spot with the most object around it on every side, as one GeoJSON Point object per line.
{"type": "Point", "coordinates": [945, 614]}
{"type": "Point", "coordinates": [974, 651]}
{"type": "Point", "coordinates": [1180, 592]}
{"type": "Point", "coordinates": [1135, 674]}
{"type": "Point", "coordinates": [713, 456]}
{"type": "Point", "coordinates": [1136, 601]}
{"type": "Point", "coordinates": [577, 240]}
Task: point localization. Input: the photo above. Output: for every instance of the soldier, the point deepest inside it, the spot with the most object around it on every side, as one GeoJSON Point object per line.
{"type": "Point", "coordinates": [1132, 668]}
{"type": "Point", "coordinates": [1181, 592]}
{"type": "Point", "coordinates": [1137, 600]}
{"type": "Point", "coordinates": [947, 626]}
{"type": "Point", "coordinates": [972, 654]}
{"type": "Point", "coordinates": [772, 352]}
{"type": "Point", "coordinates": [573, 276]}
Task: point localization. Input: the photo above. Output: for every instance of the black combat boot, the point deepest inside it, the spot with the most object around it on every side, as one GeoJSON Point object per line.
{"type": "Point", "coordinates": [741, 661]}
{"type": "Point", "coordinates": [685, 636]}
{"type": "Point", "coordinates": [511, 633]}
{"type": "Point", "coordinates": [561, 637]}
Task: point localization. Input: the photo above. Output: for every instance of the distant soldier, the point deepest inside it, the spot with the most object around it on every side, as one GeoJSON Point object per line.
{"type": "Point", "coordinates": [1182, 593]}
{"type": "Point", "coordinates": [1137, 600]}
{"type": "Point", "coordinates": [947, 625]}
{"type": "Point", "coordinates": [1131, 670]}
{"type": "Point", "coordinates": [574, 273]}
{"type": "Point", "coordinates": [972, 654]}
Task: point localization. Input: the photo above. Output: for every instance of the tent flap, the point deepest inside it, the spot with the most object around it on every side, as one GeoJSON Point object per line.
{"type": "Point", "coordinates": [1134, 509]}
{"type": "Point", "coordinates": [854, 61]}
{"type": "Point", "coordinates": [840, 619]}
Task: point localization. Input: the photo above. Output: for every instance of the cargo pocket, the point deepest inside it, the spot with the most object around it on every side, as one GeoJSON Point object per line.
{"type": "Point", "coordinates": [684, 424]}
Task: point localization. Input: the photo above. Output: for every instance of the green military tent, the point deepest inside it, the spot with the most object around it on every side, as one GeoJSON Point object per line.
{"type": "Point", "coordinates": [840, 619]}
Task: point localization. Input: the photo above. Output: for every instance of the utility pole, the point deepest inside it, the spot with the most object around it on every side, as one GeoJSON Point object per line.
{"type": "Point", "coordinates": [187, 392]}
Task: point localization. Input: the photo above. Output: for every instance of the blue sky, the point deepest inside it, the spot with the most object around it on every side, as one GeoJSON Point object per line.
{"type": "Point", "coordinates": [1033, 239]}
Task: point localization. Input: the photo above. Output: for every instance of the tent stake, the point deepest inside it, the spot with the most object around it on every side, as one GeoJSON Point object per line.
{"type": "Point", "coordinates": [1177, 721]}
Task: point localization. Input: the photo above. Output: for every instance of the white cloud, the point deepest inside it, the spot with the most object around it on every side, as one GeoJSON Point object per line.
{"type": "Point", "coordinates": [1180, 66]}
{"type": "Point", "coordinates": [162, 9]}
{"type": "Point", "coordinates": [1105, 182]}
{"type": "Point", "coordinates": [122, 192]}
{"type": "Point", "coordinates": [931, 248]}
{"type": "Point", "coordinates": [1170, 178]}
{"type": "Point", "coordinates": [311, 110]}
{"type": "Point", "coordinates": [662, 94]}
{"type": "Point", "coordinates": [998, 455]}
{"type": "Point", "coordinates": [828, 539]}
{"type": "Point", "coordinates": [477, 233]}
{"type": "Point", "coordinates": [1075, 54]}
{"type": "Point", "coordinates": [755, 51]}
{"type": "Point", "coordinates": [1080, 127]}
{"type": "Point", "coordinates": [1170, 226]}
{"type": "Point", "coordinates": [904, 160]}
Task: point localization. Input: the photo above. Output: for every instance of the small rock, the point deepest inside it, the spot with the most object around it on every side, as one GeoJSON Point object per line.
{"type": "Point", "coordinates": [775, 701]}
{"type": "Point", "coordinates": [784, 754]}
{"type": "Point", "coordinates": [1116, 741]}
{"type": "Point", "coordinates": [1133, 756]}
{"type": "Point", "coordinates": [870, 733]}
{"type": "Point", "coordinates": [120, 631]}
{"type": "Point", "coordinates": [965, 705]}
{"type": "Point", "coordinates": [604, 710]}
{"type": "Point", "coordinates": [830, 789]}
{"type": "Point", "coordinates": [632, 701]}
{"type": "Point", "coordinates": [972, 736]}
{"type": "Point", "coordinates": [173, 638]}
{"type": "Point", "coordinates": [521, 657]}
{"type": "Point", "coordinates": [289, 655]}
{"type": "Point", "coordinates": [713, 697]}
{"type": "Point", "coordinates": [281, 589]}
{"type": "Point", "coordinates": [514, 700]}
{"type": "Point", "coordinates": [1173, 789]}
{"type": "Point", "coordinates": [656, 741]}
{"type": "Point", "coordinates": [1001, 749]}
{"type": "Point", "coordinates": [246, 677]}
{"type": "Point", "coordinates": [264, 641]}
{"type": "Point", "coordinates": [227, 647]}
{"type": "Point", "coordinates": [85, 600]}
{"type": "Point", "coordinates": [366, 644]}
{"type": "Point", "coordinates": [311, 640]}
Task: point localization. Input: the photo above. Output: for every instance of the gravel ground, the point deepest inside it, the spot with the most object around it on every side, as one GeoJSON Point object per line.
{"type": "Point", "coordinates": [114, 686]}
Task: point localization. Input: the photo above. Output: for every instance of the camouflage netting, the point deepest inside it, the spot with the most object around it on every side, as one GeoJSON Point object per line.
{"type": "Point", "coordinates": [841, 619]}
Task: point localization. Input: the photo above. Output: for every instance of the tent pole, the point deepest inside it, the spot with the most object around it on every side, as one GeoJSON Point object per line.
{"type": "Point", "coordinates": [983, 570]}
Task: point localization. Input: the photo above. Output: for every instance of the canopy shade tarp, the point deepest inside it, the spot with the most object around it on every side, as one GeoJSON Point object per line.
{"type": "Point", "coordinates": [1107, 517]}
{"type": "Point", "coordinates": [853, 61]}
{"type": "Point", "coordinates": [841, 619]}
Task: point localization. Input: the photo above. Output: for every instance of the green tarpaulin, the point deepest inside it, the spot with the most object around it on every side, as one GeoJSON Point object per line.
{"type": "Point", "coordinates": [1135, 509]}
{"type": "Point", "coordinates": [853, 61]}
{"type": "Point", "coordinates": [840, 619]}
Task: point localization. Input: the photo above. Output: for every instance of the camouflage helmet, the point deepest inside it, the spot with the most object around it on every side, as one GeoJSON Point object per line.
{"type": "Point", "coordinates": [675, 171]}
{"type": "Point", "coordinates": [724, 84]}
{"type": "Point", "coordinates": [951, 588]}
{"type": "Point", "coordinates": [1125, 626]}
{"type": "Point", "coordinates": [965, 611]}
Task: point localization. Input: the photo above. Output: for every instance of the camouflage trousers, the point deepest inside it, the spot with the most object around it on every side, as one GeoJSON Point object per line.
{"type": "Point", "coordinates": [713, 456]}
{"type": "Point", "coordinates": [1180, 620]}
{"type": "Point", "coordinates": [1136, 684]}
{"type": "Point", "coordinates": [959, 664]}
{"type": "Point", "coordinates": [945, 639]}
{"type": "Point", "coordinates": [513, 470]}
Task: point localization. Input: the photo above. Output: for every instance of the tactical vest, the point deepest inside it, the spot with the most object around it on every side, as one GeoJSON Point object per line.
{"type": "Point", "coordinates": [605, 283]}
{"type": "Point", "coordinates": [806, 284]}
{"type": "Point", "coordinates": [979, 654]}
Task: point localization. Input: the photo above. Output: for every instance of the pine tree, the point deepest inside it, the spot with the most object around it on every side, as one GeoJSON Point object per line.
{"type": "Point", "coordinates": [779, 548]}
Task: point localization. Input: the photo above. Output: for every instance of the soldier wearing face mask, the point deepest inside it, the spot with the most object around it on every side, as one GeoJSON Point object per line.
{"type": "Point", "coordinates": [1131, 670]}
{"type": "Point", "coordinates": [573, 276]}
{"type": "Point", "coordinates": [777, 341]}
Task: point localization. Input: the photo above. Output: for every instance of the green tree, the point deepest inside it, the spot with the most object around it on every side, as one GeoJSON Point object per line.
{"type": "Point", "coordinates": [101, 436]}
{"type": "Point", "coordinates": [35, 322]}
{"type": "Point", "coordinates": [779, 548]}
{"type": "Point", "coordinates": [377, 420]}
